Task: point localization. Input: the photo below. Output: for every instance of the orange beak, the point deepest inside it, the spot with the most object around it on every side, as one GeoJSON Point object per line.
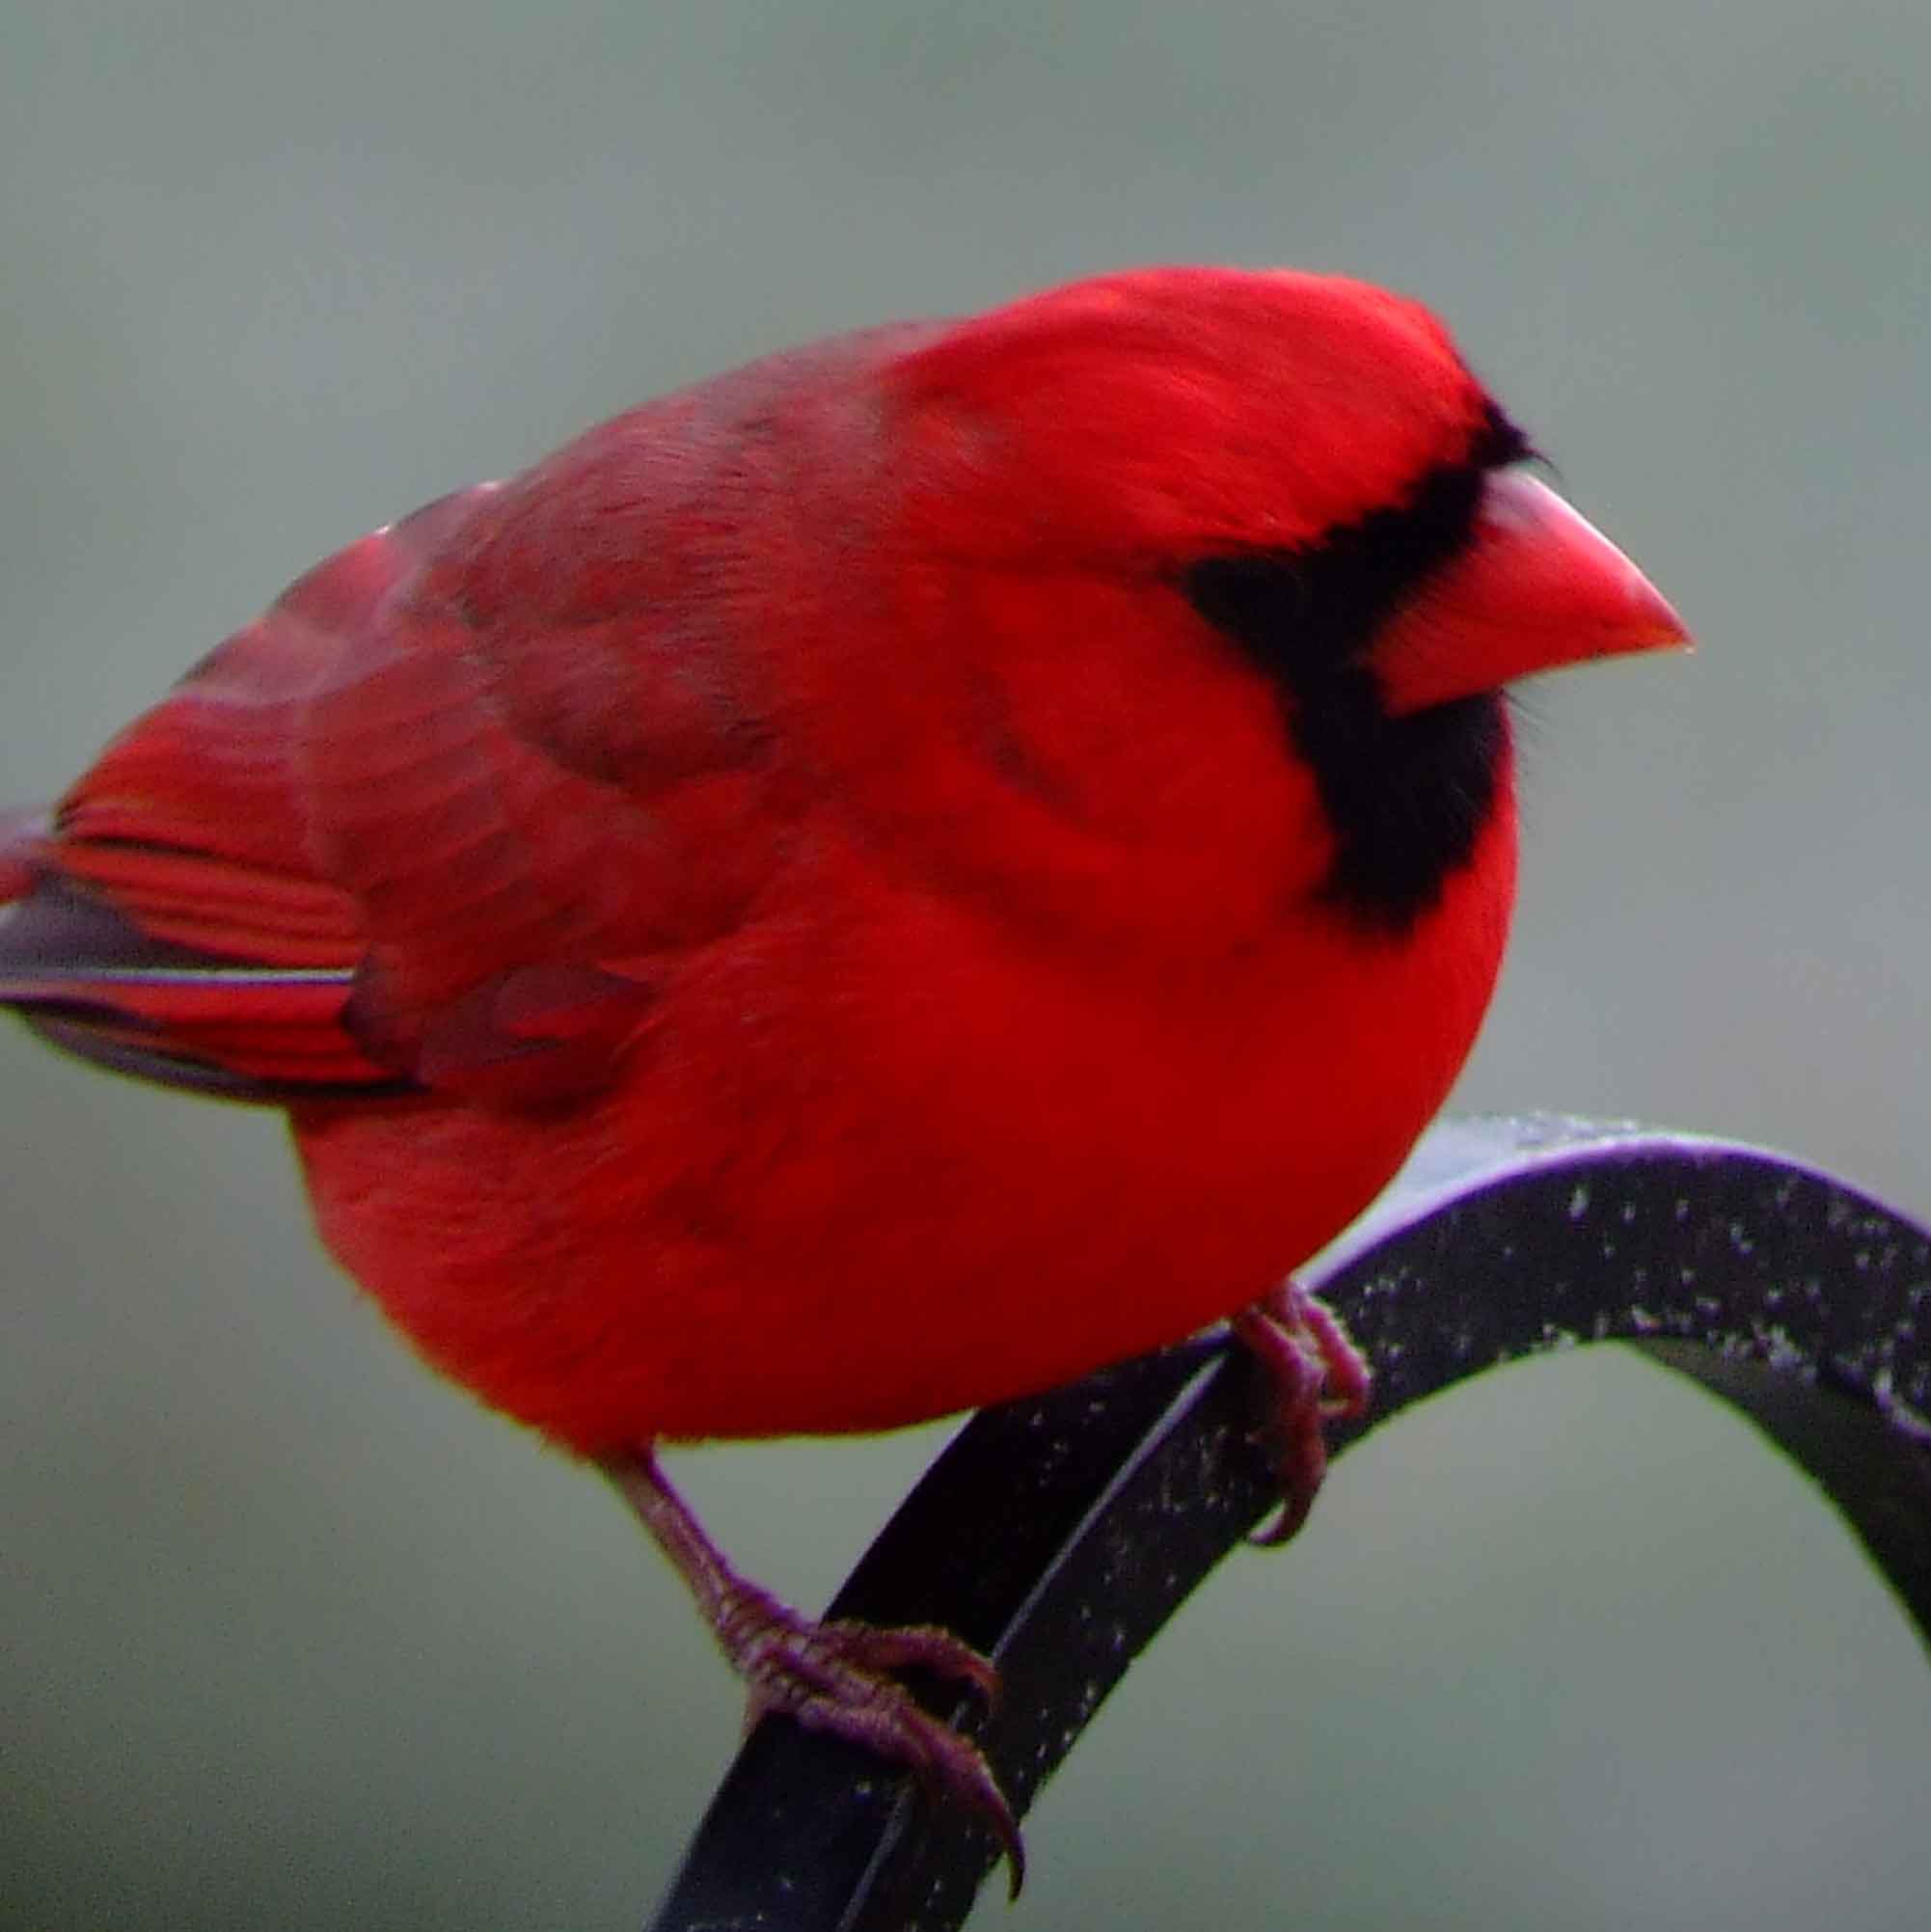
{"type": "Point", "coordinates": [1538, 588]}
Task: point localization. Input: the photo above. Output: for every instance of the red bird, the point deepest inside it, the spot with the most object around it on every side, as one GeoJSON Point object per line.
{"type": "Point", "coordinates": [872, 885]}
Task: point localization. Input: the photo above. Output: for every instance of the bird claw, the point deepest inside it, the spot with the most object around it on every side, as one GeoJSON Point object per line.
{"type": "Point", "coordinates": [1316, 1376]}
{"type": "Point", "coordinates": [882, 1649]}
{"type": "Point", "coordinates": [835, 1677]}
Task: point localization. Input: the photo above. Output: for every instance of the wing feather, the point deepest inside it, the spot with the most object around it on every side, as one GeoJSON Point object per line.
{"type": "Point", "coordinates": [410, 827]}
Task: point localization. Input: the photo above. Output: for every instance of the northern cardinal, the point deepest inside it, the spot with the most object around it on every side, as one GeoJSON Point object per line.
{"type": "Point", "coordinates": [874, 884]}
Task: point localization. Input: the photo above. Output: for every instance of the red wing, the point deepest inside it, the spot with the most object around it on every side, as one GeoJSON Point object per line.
{"type": "Point", "coordinates": [92, 982]}
{"type": "Point", "coordinates": [394, 832]}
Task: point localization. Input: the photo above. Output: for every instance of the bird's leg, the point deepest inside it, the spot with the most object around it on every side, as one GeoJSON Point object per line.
{"type": "Point", "coordinates": [832, 1676]}
{"type": "Point", "coordinates": [1315, 1375]}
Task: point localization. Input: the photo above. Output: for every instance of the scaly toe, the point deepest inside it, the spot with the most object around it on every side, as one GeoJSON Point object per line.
{"type": "Point", "coordinates": [1316, 1375]}
{"type": "Point", "coordinates": [833, 1678]}
{"type": "Point", "coordinates": [887, 1648]}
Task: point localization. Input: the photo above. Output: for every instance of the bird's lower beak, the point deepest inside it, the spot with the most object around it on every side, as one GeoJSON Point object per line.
{"type": "Point", "coordinates": [1539, 587]}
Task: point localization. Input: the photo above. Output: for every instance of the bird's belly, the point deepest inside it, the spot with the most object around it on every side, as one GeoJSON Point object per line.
{"type": "Point", "coordinates": [866, 1203]}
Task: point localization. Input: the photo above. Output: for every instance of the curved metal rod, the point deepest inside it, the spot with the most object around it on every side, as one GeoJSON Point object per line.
{"type": "Point", "coordinates": [1059, 1534]}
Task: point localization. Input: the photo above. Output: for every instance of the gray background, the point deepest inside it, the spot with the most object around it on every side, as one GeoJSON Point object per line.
{"type": "Point", "coordinates": [295, 1636]}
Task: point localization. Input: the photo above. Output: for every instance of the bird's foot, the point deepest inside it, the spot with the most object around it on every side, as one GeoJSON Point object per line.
{"type": "Point", "coordinates": [1316, 1376]}
{"type": "Point", "coordinates": [838, 1675]}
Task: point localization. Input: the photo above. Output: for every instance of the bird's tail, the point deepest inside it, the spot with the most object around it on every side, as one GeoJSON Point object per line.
{"type": "Point", "coordinates": [88, 978]}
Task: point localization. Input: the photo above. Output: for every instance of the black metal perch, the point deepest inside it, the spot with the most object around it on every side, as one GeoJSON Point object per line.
{"type": "Point", "coordinates": [1060, 1535]}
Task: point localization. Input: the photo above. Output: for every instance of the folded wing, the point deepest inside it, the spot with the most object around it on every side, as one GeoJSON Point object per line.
{"type": "Point", "coordinates": [412, 828]}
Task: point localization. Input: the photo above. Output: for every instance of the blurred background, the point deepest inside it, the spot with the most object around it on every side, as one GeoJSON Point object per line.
{"type": "Point", "coordinates": [297, 1636]}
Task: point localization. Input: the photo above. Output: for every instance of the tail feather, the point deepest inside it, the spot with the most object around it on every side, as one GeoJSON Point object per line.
{"type": "Point", "coordinates": [89, 980]}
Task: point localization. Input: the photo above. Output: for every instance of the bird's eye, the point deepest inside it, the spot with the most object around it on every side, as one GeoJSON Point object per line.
{"type": "Point", "coordinates": [1299, 613]}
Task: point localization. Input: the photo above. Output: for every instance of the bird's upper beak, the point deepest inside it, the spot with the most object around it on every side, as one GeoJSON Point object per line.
{"type": "Point", "coordinates": [1538, 586]}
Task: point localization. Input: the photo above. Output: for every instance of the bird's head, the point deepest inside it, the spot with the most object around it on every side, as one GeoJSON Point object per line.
{"type": "Point", "coordinates": [1307, 457]}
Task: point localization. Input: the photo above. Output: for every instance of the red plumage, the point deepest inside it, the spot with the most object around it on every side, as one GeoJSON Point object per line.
{"type": "Point", "coordinates": [874, 884]}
